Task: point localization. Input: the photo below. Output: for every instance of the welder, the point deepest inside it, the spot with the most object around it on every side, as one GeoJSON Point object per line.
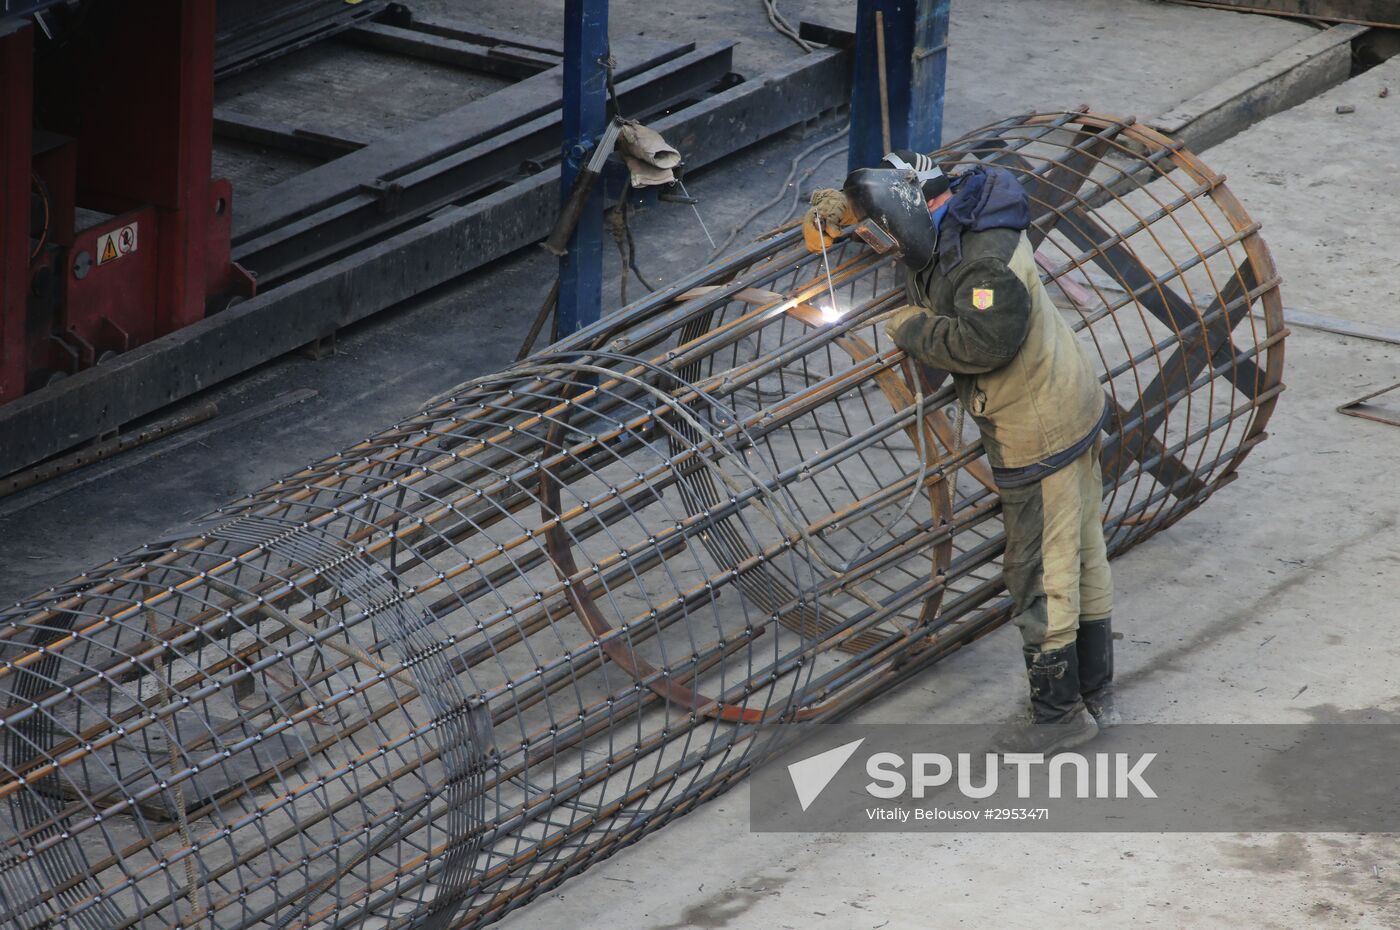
{"type": "Point", "coordinates": [978, 310]}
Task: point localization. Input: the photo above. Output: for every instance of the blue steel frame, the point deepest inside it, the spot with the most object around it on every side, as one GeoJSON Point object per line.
{"type": "Point", "coordinates": [10, 8]}
{"type": "Point", "coordinates": [916, 54]}
{"type": "Point", "coordinates": [585, 116]}
{"type": "Point", "coordinates": [916, 60]}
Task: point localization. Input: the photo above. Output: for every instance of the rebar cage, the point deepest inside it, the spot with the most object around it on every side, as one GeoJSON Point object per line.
{"type": "Point", "coordinates": [428, 678]}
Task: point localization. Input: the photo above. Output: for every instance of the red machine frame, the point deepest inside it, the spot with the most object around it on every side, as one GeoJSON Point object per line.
{"type": "Point", "coordinates": [124, 116]}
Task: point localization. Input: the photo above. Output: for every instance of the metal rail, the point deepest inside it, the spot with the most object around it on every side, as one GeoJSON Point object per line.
{"type": "Point", "coordinates": [425, 680]}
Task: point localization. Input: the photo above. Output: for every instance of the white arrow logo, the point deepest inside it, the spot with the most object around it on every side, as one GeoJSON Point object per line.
{"type": "Point", "coordinates": [811, 775]}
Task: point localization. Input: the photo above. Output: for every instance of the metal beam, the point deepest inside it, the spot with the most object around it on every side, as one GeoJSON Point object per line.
{"type": "Point", "coordinates": [387, 159]}
{"type": "Point", "coordinates": [384, 205]}
{"type": "Point", "coordinates": [251, 32]}
{"type": "Point", "coordinates": [492, 36]}
{"type": "Point", "coordinates": [585, 115]}
{"type": "Point", "coordinates": [914, 37]}
{"type": "Point", "coordinates": [254, 130]}
{"type": "Point", "coordinates": [447, 50]}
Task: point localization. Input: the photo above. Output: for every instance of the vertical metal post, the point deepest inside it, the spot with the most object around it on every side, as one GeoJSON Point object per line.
{"type": "Point", "coordinates": [585, 116]}
{"type": "Point", "coordinates": [16, 154]}
{"type": "Point", "coordinates": [916, 55]}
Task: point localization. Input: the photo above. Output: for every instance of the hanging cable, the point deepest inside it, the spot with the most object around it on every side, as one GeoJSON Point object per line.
{"type": "Point", "coordinates": [782, 192]}
{"type": "Point", "coordinates": [619, 224]}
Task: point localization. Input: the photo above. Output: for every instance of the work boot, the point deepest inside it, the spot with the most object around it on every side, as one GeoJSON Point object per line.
{"type": "Point", "coordinates": [1095, 648]}
{"type": "Point", "coordinates": [1058, 719]}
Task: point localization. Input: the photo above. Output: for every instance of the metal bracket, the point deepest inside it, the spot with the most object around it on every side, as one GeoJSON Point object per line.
{"type": "Point", "coordinates": [387, 195]}
{"type": "Point", "coordinates": [1361, 407]}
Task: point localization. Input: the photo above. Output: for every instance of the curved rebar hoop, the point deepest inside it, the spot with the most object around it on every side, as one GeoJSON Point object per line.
{"type": "Point", "coordinates": [427, 679]}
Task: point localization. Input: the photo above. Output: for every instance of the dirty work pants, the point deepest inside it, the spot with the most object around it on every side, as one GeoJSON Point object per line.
{"type": "Point", "coordinates": [1056, 566]}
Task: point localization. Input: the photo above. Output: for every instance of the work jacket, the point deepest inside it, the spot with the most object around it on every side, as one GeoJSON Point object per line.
{"type": "Point", "coordinates": [1018, 368]}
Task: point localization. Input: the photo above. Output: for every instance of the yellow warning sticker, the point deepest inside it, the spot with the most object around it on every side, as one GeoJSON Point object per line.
{"type": "Point", "coordinates": [116, 244]}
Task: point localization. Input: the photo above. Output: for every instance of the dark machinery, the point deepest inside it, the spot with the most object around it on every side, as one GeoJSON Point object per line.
{"type": "Point", "coordinates": [429, 678]}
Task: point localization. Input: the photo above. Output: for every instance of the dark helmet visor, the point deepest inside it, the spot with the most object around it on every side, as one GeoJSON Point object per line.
{"type": "Point", "coordinates": [892, 215]}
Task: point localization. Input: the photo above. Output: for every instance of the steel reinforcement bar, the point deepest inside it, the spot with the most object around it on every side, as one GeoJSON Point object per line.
{"type": "Point", "coordinates": [427, 679]}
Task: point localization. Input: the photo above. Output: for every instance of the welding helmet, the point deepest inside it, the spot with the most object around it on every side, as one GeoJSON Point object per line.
{"type": "Point", "coordinates": [932, 181]}
{"type": "Point", "coordinates": [891, 214]}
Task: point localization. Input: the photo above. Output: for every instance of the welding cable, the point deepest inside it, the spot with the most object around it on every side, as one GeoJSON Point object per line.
{"type": "Point", "coordinates": [619, 225]}
{"type": "Point", "coordinates": [947, 465]}
{"type": "Point", "coordinates": [782, 191]}
{"type": "Point", "coordinates": [609, 63]}
{"type": "Point", "coordinates": [613, 218]}
{"type": "Point", "coordinates": [632, 250]}
{"type": "Point", "coordinates": [781, 24]}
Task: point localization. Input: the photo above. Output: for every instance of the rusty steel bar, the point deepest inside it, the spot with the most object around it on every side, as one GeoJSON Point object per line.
{"type": "Point", "coordinates": [426, 679]}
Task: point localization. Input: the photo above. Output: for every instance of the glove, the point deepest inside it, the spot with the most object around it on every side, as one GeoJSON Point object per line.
{"type": "Point", "coordinates": [902, 316]}
{"type": "Point", "coordinates": [821, 227]}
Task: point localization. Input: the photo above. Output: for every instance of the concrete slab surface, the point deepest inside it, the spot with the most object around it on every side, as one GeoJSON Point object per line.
{"type": "Point", "coordinates": [1272, 603]}
{"type": "Point", "coordinates": [1005, 56]}
{"type": "Point", "coordinates": [1330, 178]}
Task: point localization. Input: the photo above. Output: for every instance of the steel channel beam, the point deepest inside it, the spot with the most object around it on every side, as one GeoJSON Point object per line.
{"type": "Point", "coordinates": [446, 50]}
{"type": "Point", "coordinates": [368, 215]}
{"type": "Point", "coordinates": [432, 139]}
{"type": "Point", "coordinates": [251, 32]}
{"type": "Point", "coordinates": [507, 41]}
{"type": "Point", "coordinates": [254, 130]}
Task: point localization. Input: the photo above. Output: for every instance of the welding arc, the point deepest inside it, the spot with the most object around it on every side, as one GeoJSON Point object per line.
{"type": "Point", "coordinates": [423, 681]}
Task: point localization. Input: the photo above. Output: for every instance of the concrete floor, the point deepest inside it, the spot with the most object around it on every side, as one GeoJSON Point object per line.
{"type": "Point", "coordinates": [1280, 582]}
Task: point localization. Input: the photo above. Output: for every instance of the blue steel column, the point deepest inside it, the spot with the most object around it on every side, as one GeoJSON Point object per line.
{"type": "Point", "coordinates": [916, 59]}
{"type": "Point", "coordinates": [585, 115]}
